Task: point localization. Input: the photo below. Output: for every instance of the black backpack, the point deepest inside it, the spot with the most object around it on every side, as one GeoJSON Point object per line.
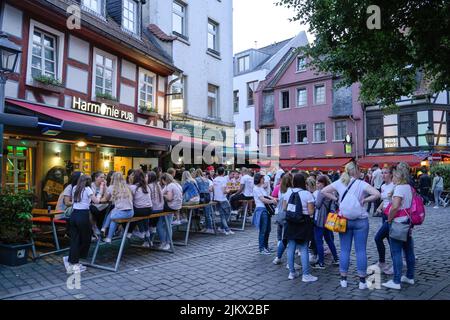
{"type": "Point", "coordinates": [295, 215]}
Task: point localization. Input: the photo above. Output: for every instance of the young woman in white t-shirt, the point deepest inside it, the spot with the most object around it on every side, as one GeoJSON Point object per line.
{"type": "Point", "coordinates": [261, 219]}
{"type": "Point", "coordinates": [357, 228]}
{"type": "Point", "coordinates": [383, 233]}
{"type": "Point", "coordinates": [80, 228]}
{"type": "Point", "coordinates": [401, 203]}
{"type": "Point", "coordinates": [299, 235]}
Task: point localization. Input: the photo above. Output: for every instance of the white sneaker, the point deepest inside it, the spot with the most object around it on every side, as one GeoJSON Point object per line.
{"type": "Point", "coordinates": [166, 247]}
{"type": "Point", "coordinates": [391, 285]}
{"type": "Point", "coordinates": [108, 240]}
{"type": "Point", "coordinates": [407, 280]}
{"type": "Point", "coordinates": [435, 207]}
{"type": "Point", "coordinates": [292, 276]}
{"type": "Point", "coordinates": [234, 212]}
{"type": "Point", "coordinates": [76, 268]}
{"type": "Point", "coordinates": [146, 245]}
{"type": "Point", "coordinates": [229, 232]}
{"type": "Point", "coordinates": [344, 283]}
{"type": "Point", "coordinates": [138, 234]}
{"type": "Point", "coordinates": [66, 263]}
{"type": "Point", "coordinates": [153, 230]}
{"type": "Point", "coordinates": [296, 266]}
{"type": "Point", "coordinates": [276, 261]}
{"type": "Point", "coordinates": [309, 278]}
{"type": "Point", "coordinates": [363, 285]}
{"type": "Point", "coordinates": [211, 231]}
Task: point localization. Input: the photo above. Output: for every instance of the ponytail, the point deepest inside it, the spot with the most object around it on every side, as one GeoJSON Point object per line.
{"type": "Point", "coordinates": [349, 170]}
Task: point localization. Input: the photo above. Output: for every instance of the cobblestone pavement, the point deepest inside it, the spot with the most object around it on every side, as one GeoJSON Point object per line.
{"type": "Point", "coordinates": [228, 267]}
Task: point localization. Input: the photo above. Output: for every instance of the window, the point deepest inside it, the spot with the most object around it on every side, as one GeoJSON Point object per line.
{"type": "Point", "coordinates": [18, 175]}
{"type": "Point", "coordinates": [268, 137]}
{"type": "Point", "coordinates": [243, 63]}
{"type": "Point", "coordinates": [285, 135]}
{"type": "Point", "coordinates": [213, 33]}
{"type": "Point", "coordinates": [301, 64]}
{"type": "Point", "coordinates": [301, 97]}
{"type": "Point", "coordinates": [408, 124]}
{"type": "Point", "coordinates": [179, 18]}
{"type": "Point", "coordinates": [178, 96]}
{"type": "Point", "coordinates": [319, 132]}
{"type": "Point", "coordinates": [104, 74]}
{"type": "Point", "coordinates": [340, 130]}
{"type": "Point", "coordinates": [319, 94]}
{"type": "Point", "coordinates": [129, 21]}
{"type": "Point", "coordinates": [93, 5]}
{"type": "Point", "coordinates": [236, 101]}
{"type": "Point", "coordinates": [247, 132]}
{"type": "Point", "coordinates": [212, 101]}
{"type": "Point", "coordinates": [251, 87]}
{"type": "Point", "coordinates": [302, 135]}
{"type": "Point", "coordinates": [285, 100]}
{"type": "Point", "coordinates": [146, 91]}
{"type": "Point", "coordinates": [374, 128]}
{"type": "Point", "coordinates": [44, 53]}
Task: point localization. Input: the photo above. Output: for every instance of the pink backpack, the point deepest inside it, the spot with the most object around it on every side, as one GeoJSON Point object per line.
{"type": "Point", "coordinates": [417, 210]}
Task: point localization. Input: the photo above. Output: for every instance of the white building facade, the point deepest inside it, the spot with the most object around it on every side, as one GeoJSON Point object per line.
{"type": "Point", "coordinates": [202, 48]}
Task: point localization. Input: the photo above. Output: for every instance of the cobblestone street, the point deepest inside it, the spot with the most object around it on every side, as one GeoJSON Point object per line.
{"type": "Point", "coordinates": [228, 267]}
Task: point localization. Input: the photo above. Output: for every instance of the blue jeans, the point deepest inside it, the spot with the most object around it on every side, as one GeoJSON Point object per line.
{"type": "Point", "coordinates": [225, 213]}
{"type": "Point", "coordinates": [383, 233]}
{"type": "Point", "coordinates": [291, 246]}
{"type": "Point", "coordinates": [397, 259]}
{"type": "Point", "coordinates": [116, 214]}
{"type": "Point", "coordinates": [209, 218]}
{"type": "Point", "coordinates": [358, 230]}
{"type": "Point", "coordinates": [264, 228]}
{"type": "Point", "coordinates": [437, 196]}
{"type": "Point", "coordinates": [319, 235]}
{"type": "Point", "coordinates": [281, 243]}
{"type": "Point", "coordinates": [161, 228]}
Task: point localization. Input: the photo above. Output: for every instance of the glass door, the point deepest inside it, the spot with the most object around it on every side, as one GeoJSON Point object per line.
{"type": "Point", "coordinates": [18, 168]}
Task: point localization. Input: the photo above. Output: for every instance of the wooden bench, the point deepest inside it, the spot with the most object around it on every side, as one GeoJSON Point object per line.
{"type": "Point", "coordinates": [191, 209]}
{"type": "Point", "coordinates": [46, 216]}
{"type": "Point", "coordinates": [124, 238]}
{"type": "Point", "coordinates": [244, 220]}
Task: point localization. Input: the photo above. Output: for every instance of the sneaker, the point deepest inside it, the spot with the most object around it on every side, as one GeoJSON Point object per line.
{"type": "Point", "coordinates": [184, 220]}
{"type": "Point", "coordinates": [392, 285]}
{"type": "Point", "coordinates": [211, 231]}
{"type": "Point", "coordinates": [405, 279]}
{"type": "Point", "coordinates": [138, 234]}
{"type": "Point", "coordinates": [148, 234]}
{"type": "Point", "coordinates": [296, 266]}
{"type": "Point", "coordinates": [76, 268]}
{"type": "Point", "coordinates": [229, 232]}
{"type": "Point", "coordinates": [309, 278]}
{"type": "Point", "coordinates": [265, 252]}
{"type": "Point", "coordinates": [165, 247]}
{"type": "Point", "coordinates": [318, 265]}
{"type": "Point", "coordinates": [362, 285]}
{"type": "Point", "coordinates": [66, 262]}
{"type": "Point", "coordinates": [152, 230]}
{"type": "Point", "coordinates": [435, 207]}
{"type": "Point", "coordinates": [234, 212]}
{"type": "Point", "coordinates": [276, 261]}
{"type": "Point", "coordinates": [294, 275]}
{"type": "Point", "coordinates": [146, 245]}
{"type": "Point", "coordinates": [344, 283]}
{"type": "Point", "coordinates": [108, 240]}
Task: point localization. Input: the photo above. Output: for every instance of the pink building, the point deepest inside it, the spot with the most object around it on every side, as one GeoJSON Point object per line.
{"type": "Point", "coordinates": [311, 115]}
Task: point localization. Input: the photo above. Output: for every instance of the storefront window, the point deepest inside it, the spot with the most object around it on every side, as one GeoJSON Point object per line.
{"type": "Point", "coordinates": [83, 162]}
{"type": "Point", "coordinates": [18, 169]}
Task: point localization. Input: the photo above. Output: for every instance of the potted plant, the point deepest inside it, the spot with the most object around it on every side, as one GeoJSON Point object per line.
{"type": "Point", "coordinates": [105, 98]}
{"type": "Point", "coordinates": [48, 83]}
{"type": "Point", "coordinates": [148, 110]}
{"type": "Point", "coordinates": [15, 227]}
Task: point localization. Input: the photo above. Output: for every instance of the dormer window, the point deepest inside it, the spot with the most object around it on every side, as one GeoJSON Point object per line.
{"type": "Point", "coordinates": [130, 16]}
{"type": "Point", "coordinates": [243, 63]}
{"type": "Point", "coordinates": [95, 6]}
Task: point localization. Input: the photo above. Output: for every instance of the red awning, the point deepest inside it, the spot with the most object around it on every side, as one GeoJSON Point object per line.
{"type": "Point", "coordinates": [323, 164]}
{"type": "Point", "coordinates": [80, 122]}
{"type": "Point", "coordinates": [369, 161]}
{"type": "Point", "coordinates": [289, 164]}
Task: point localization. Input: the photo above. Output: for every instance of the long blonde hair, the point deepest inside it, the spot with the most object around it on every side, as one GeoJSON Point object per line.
{"type": "Point", "coordinates": [198, 173]}
{"type": "Point", "coordinates": [350, 169]}
{"type": "Point", "coordinates": [120, 189]}
{"type": "Point", "coordinates": [186, 177]}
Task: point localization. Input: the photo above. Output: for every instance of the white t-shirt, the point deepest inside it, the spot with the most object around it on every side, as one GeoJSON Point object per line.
{"type": "Point", "coordinates": [60, 205]}
{"type": "Point", "coordinates": [386, 189]}
{"type": "Point", "coordinates": [358, 189]}
{"type": "Point", "coordinates": [247, 182]}
{"type": "Point", "coordinates": [141, 199]}
{"type": "Point", "coordinates": [220, 183]}
{"type": "Point", "coordinates": [404, 191]}
{"type": "Point", "coordinates": [305, 196]}
{"type": "Point", "coordinates": [257, 193]}
{"type": "Point", "coordinates": [278, 176]}
{"type": "Point", "coordinates": [267, 184]}
{"type": "Point", "coordinates": [211, 184]}
{"type": "Point", "coordinates": [377, 178]}
{"type": "Point", "coordinates": [85, 199]}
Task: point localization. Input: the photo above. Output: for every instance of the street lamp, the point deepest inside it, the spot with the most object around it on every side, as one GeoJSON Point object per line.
{"type": "Point", "coordinates": [429, 136]}
{"type": "Point", "coordinates": [9, 54]}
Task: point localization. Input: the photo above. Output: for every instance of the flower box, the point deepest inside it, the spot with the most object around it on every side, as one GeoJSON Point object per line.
{"type": "Point", "coordinates": [47, 86]}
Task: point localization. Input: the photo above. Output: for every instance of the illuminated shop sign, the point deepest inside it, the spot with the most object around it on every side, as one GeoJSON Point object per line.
{"type": "Point", "coordinates": [101, 109]}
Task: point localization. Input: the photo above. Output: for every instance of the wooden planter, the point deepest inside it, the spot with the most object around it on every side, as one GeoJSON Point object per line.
{"type": "Point", "coordinates": [48, 87]}
{"type": "Point", "coordinates": [106, 101]}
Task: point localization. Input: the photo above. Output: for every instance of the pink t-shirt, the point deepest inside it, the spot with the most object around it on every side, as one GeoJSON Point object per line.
{"type": "Point", "coordinates": [276, 191]}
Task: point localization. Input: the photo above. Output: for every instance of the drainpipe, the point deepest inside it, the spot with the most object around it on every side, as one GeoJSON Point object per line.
{"type": "Point", "coordinates": [356, 137]}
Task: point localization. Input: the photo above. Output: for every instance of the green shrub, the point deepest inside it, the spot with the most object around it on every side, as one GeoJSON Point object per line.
{"type": "Point", "coordinates": [105, 96]}
{"type": "Point", "coordinates": [444, 170]}
{"type": "Point", "coordinates": [48, 80]}
{"type": "Point", "coordinates": [15, 217]}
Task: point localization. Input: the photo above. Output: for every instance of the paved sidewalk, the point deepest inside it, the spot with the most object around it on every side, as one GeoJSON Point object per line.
{"type": "Point", "coordinates": [229, 267]}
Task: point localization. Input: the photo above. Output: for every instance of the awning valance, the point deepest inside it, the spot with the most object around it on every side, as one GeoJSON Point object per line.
{"type": "Point", "coordinates": [386, 160]}
{"type": "Point", "coordinates": [323, 164]}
